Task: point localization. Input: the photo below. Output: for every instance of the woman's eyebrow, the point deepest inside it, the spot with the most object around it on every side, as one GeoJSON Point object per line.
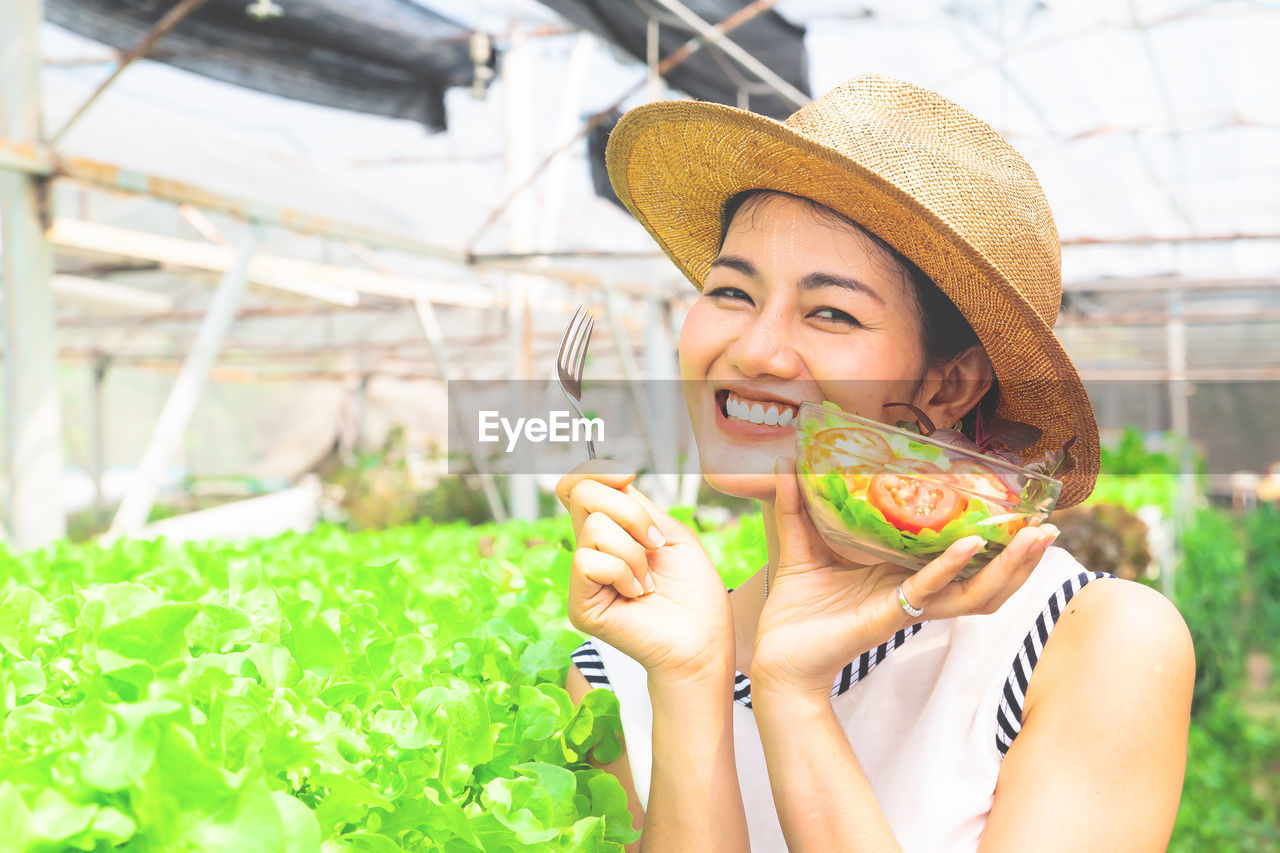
{"type": "Point", "coordinates": [812, 281]}
{"type": "Point", "coordinates": [738, 264]}
{"type": "Point", "coordinates": [815, 280]}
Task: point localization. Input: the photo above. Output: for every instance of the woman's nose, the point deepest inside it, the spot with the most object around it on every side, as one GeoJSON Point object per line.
{"type": "Point", "coordinates": [766, 347]}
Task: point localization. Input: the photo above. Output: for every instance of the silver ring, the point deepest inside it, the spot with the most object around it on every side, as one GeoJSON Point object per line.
{"type": "Point", "coordinates": [913, 612]}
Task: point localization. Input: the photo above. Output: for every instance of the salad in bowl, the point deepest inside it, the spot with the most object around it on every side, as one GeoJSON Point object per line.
{"type": "Point", "coordinates": [904, 493]}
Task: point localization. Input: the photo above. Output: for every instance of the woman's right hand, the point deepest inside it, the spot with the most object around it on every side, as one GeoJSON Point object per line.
{"type": "Point", "coordinates": [680, 628]}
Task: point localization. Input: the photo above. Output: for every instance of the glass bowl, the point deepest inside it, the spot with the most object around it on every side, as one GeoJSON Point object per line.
{"type": "Point", "coordinates": [879, 493]}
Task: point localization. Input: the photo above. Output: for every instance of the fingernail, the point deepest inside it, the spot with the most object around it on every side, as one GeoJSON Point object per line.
{"type": "Point", "coordinates": [639, 590]}
{"type": "Point", "coordinates": [649, 584]}
{"type": "Point", "coordinates": [1048, 533]}
{"type": "Point", "coordinates": [656, 539]}
{"type": "Point", "coordinates": [975, 545]}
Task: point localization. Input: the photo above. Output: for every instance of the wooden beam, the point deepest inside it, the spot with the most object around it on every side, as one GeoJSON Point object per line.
{"type": "Point", "coordinates": [110, 293]}
{"type": "Point", "coordinates": [1226, 374]}
{"type": "Point", "coordinates": [1165, 283]}
{"type": "Point", "coordinates": [328, 282]}
{"type": "Point", "coordinates": [1152, 239]}
{"type": "Point", "coordinates": [34, 158]}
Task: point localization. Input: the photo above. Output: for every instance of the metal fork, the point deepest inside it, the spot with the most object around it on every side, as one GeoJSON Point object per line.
{"type": "Point", "coordinates": [570, 359]}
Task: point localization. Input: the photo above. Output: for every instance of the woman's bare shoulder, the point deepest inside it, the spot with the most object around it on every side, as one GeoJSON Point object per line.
{"type": "Point", "coordinates": [1130, 619]}
{"type": "Point", "coordinates": [1104, 728]}
{"type": "Point", "coordinates": [1114, 637]}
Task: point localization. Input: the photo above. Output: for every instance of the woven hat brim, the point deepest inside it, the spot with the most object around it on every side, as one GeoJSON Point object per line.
{"type": "Point", "coordinates": [675, 164]}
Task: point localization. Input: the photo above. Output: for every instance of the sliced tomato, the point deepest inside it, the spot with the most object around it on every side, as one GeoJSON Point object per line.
{"type": "Point", "coordinates": [1013, 525]}
{"type": "Point", "coordinates": [823, 460]}
{"type": "Point", "coordinates": [982, 482]}
{"type": "Point", "coordinates": [863, 446]}
{"type": "Point", "coordinates": [919, 466]}
{"type": "Point", "coordinates": [913, 504]}
{"type": "Point", "coordinates": [858, 479]}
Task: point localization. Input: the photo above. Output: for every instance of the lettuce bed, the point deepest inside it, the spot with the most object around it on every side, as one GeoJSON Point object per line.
{"type": "Point", "coordinates": [375, 692]}
{"type": "Point", "coordinates": [338, 692]}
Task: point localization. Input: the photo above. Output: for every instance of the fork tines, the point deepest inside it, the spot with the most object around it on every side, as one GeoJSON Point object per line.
{"type": "Point", "coordinates": [573, 349]}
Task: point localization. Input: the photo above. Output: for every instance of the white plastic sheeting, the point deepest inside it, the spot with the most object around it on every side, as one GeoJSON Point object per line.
{"type": "Point", "coordinates": [1152, 123]}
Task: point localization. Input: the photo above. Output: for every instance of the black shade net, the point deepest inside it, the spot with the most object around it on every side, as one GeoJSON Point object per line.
{"type": "Point", "coordinates": [709, 74]}
{"type": "Point", "coordinates": [384, 57]}
{"type": "Point", "coordinates": [395, 58]}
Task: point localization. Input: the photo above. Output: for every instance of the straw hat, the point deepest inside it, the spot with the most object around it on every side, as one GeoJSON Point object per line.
{"type": "Point", "coordinates": [937, 184]}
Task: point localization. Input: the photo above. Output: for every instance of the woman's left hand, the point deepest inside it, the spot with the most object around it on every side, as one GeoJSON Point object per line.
{"type": "Point", "coordinates": [820, 614]}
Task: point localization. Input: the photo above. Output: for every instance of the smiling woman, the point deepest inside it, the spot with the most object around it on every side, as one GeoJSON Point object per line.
{"type": "Point", "coordinates": [803, 305]}
{"type": "Point", "coordinates": [881, 248]}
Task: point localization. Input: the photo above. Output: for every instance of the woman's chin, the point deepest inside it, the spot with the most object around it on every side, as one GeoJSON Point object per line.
{"type": "Point", "coordinates": [754, 486]}
{"type": "Point", "coordinates": [743, 472]}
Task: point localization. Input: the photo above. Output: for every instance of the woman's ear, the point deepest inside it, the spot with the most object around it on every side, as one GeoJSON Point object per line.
{"type": "Point", "coordinates": [954, 388]}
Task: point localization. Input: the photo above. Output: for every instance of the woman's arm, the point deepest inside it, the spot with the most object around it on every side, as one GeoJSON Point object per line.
{"type": "Point", "coordinates": [823, 798]}
{"type": "Point", "coordinates": [695, 803]}
{"type": "Point", "coordinates": [681, 632]}
{"type": "Point", "coordinates": [1099, 761]}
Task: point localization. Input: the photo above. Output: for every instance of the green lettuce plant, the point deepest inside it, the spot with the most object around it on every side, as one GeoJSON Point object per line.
{"type": "Point", "coordinates": [332, 692]}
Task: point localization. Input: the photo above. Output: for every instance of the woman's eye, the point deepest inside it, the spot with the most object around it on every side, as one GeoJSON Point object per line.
{"type": "Point", "coordinates": [729, 293]}
{"type": "Point", "coordinates": [835, 314]}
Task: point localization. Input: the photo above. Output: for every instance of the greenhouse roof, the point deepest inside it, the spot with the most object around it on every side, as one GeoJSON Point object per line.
{"type": "Point", "coordinates": [1152, 126]}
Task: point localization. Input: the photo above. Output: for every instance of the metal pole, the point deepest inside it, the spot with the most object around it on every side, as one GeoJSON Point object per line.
{"type": "Point", "coordinates": [97, 448]}
{"type": "Point", "coordinates": [631, 373]}
{"type": "Point", "coordinates": [575, 78]}
{"type": "Point", "coordinates": [746, 60]}
{"type": "Point", "coordinates": [653, 42]}
{"type": "Point", "coordinates": [33, 418]}
{"type": "Point", "coordinates": [691, 470]}
{"type": "Point", "coordinates": [359, 406]}
{"type": "Point", "coordinates": [517, 93]}
{"type": "Point", "coordinates": [181, 402]}
{"type": "Point", "coordinates": [1180, 422]}
{"type": "Point", "coordinates": [435, 339]}
{"type": "Point", "coordinates": [665, 410]}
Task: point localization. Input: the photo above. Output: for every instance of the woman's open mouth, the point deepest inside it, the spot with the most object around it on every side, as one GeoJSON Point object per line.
{"type": "Point", "coordinates": [744, 416]}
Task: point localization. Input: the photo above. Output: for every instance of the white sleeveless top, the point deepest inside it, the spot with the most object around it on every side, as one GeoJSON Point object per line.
{"type": "Point", "coordinates": [930, 714]}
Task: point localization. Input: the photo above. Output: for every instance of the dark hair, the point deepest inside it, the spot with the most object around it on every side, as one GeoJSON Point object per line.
{"type": "Point", "coordinates": [944, 331]}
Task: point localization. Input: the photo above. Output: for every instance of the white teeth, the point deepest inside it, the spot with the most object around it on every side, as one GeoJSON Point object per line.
{"type": "Point", "coordinates": [777, 414]}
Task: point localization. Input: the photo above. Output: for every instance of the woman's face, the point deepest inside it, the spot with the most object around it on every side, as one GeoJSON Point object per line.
{"type": "Point", "coordinates": [797, 307]}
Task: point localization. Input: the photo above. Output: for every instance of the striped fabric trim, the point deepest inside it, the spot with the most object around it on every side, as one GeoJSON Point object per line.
{"type": "Point", "coordinates": [852, 673]}
{"type": "Point", "coordinates": [591, 666]}
{"type": "Point", "coordinates": [588, 661]}
{"type": "Point", "coordinates": [1009, 714]}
